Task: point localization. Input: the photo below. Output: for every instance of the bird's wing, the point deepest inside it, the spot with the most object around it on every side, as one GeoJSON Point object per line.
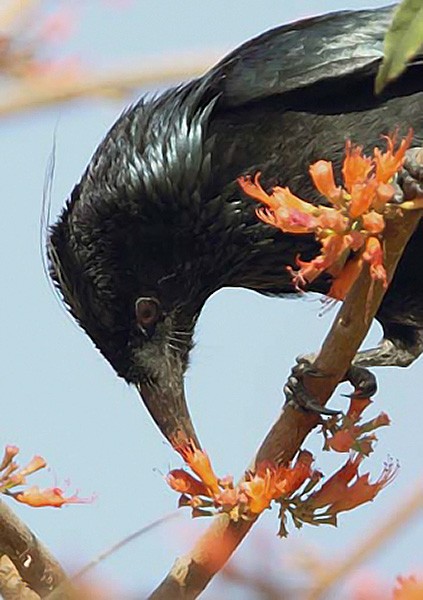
{"type": "Point", "coordinates": [298, 55]}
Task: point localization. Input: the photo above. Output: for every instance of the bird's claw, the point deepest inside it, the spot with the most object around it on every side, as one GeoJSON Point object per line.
{"type": "Point", "coordinates": [409, 182]}
{"type": "Point", "coordinates": [363, 381]}
{"type": "Point", "coordinates": [296, 393]}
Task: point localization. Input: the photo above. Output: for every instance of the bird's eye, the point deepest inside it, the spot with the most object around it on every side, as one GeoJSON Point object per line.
{"type": "Point", "coordinates": [147, 312]}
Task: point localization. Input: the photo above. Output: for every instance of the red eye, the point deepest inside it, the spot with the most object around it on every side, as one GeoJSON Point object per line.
{"type": "Point", "coordinates": [147, 311]}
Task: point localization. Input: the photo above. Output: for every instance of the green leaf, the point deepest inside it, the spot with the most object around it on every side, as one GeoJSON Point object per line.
{"type": "Point", "coordinates": [402, 41]}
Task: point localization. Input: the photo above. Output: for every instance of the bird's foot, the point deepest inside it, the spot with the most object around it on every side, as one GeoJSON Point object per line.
{"type": "Point", "coordinates": [409, 182]}
{"type": "Point", "coordinates": [296, 393]}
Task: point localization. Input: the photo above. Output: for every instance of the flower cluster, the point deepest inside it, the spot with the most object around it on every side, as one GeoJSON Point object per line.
{"type": "Point", "coordinates": [351, 225]}
{"type": "Point", "coordinates": [343, 491]}
{"type": "Point", "coordinates": [12, 476]}
{"type": "Point", "coordinates": [293, 487]}
{"type": "Point", "coordinates": [207, 494]}
{"type": "Point", "coordinates": [348, 434]}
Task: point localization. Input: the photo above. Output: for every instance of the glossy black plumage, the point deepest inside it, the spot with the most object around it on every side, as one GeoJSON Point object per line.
{"type": "Point", "coordinates": [158, 212]}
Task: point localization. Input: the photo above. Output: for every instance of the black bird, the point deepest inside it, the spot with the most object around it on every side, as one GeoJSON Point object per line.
{"type": "Point", "coordinates": [158, 222]}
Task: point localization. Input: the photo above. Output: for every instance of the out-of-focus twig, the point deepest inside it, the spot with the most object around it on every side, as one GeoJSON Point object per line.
{"type": "Point", "coordinates": [191, 573]}
{"type": "Point", "coordinates": [264, 588]}
{"type": "Point", "coordinates": [327, 578]}
{"type": "Point", "coordinates": [124, 542]}
{"type": "Point", "coordinates": [35, 93]}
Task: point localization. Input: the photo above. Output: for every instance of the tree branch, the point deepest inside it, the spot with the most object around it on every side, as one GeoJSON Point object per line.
{"type": "Point", "coordinates": [191, 573]}
{"type": "Point", "coordinates": [36, 566]}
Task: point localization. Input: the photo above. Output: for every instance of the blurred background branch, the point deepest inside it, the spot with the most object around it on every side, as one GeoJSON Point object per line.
{"type": "Point", "coordinates": [32, 78]}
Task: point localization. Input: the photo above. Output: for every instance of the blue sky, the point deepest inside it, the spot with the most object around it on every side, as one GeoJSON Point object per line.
{"type": "Point", "coordinates": [63, 401]}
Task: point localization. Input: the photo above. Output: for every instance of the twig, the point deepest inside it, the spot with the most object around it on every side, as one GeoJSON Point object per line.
{"type": "Point", "coordinates": [115, 547]}
{"type": "Point", "coordinates": [33, 561]}
{"type": "Point", "coordinates": [56, 593]}
{"type": "Point", "coordinates": [44, 91]}
{"type": "Point", "coordinates": [265, 589]}
{"type": "Point", "coordinates": [191, 573]}
{"type": "Point", "coordinates": [328, 577]}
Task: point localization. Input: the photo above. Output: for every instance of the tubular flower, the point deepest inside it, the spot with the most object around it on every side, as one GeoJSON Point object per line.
{"type": "Point", "coordinates": [373, 254]}
{"type": "Point", "coordinates": [270, 482]}
{"type": "Point", "coordinates": [321, 173]}
{"type": "Point", "coordinates": [181, 481]}
{"type": "Point", "coordinates": [346, 489]}
{"type": "Point", "coordinates": [336, 486]}
{"type": "Point", "coordinates": [9, 454]}
{"type": "Point", "coordinates": [348, 433]}
{"type": "Point", "coordinates": [361, 490]}
{"type": "Point", "coordinates": [283, 209]}
{"type": "Point", "coordinates": [54, 497]}
{"type": "Point", "coordinates": [356, 167]}
{"type": "Point", "coordinates": [246, 500]}
{"type": "Point", "coordinates": [388, 163]}
{"type": "Point", "coordinates": [353, 223]}
{"type": "Point", "coordinates": [200, 464]}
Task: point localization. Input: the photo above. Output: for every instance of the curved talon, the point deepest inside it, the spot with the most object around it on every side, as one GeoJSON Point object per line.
{"type": "Point", "coordinates": [297, 394]}
{"type": "Point", "coordinates": [363, 381]}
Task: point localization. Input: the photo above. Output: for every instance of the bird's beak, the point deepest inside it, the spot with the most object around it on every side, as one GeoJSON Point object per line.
{"type": "Point", "coordinates": [169, 410]}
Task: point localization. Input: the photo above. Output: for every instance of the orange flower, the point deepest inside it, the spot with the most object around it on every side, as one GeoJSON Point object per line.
{"type": "Point", "coordinates": [34, 465]}
{"type": "Point", "coordinates": [230, 497]}
{"type": "Point", "coordinates": [342, 440]}
{"type": "Point", "coordinates": [184, 483]}
{"type": "Point", "coordinates": [260, 491]}
{"type": "Point", "coordinates": [339, 494]}
{"type": "Point", "coordinates": [270, 482]}
{"type": "Point", "coordinates": [322, 175]}
{"type": "Point", "coordinates": [332, 220]}
{"type": "Point", "coordinates": [283, 209]}
{"type": "Point", "coordinates": [335, 249]}
{"type": "Point", "coordinates": [199, 462]}
{"type": "Point", "coordinates": [357, 407]}
{"type": "Point", "coordinates": [408, 588]}
{"type": "Point", "coordinates": [384, 193]}
{"type": "Point", "coordinates": [356, 215]}
{"type": "Point", "coordinates": [388, 163]}
{"type": "Point", "coordinates": [54, 497]}
{"type": "Point", "coordinates": [373, 222]}
{"type": "Point", "coordinates": [9, 454]}
{"type": "Point", "coordinates": [362, 195]}
{"type": "Point", "coordinates": [342, 284]}
{"type": "Point", "coordinates": [373, 254]}
{"type": "Point", "coordinates": [336, 486]}
{"type": "Point", "coordinates": [295, 476]}
{"type": "Point", "coordinates": [362, 490]}
{"type": "Point", "coordinates": [356, 167]}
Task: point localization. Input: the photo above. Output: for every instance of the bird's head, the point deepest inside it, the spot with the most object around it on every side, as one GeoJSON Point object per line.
{"type": "Point", "coordinates": [126, 251]}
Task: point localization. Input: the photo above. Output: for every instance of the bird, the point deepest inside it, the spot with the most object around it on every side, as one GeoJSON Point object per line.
{"type": "Point", "coordinates": [158, 222]}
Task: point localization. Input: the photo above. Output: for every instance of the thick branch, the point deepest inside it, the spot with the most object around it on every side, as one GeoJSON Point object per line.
{"type": "Point", "coordinates": [35, 564]}
{"type": "Point", "coordinates": [192, 572]}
